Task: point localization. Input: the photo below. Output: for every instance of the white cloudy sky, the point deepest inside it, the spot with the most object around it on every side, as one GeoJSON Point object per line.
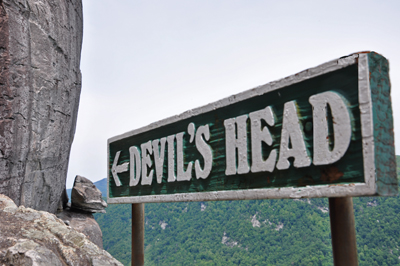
{"type": "Point", "coordinates": [143, 61]}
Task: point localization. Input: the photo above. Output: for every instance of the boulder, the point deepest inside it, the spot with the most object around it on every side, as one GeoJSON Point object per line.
{"type": "Point", "coordinates": [40, 84]}
{"type": "Point", "coordinates": [85, 196]}
{"type": "Point", "coordinates": [28, 252]}
{"type": "Point", "coordinates": [84, 223]}
{"type": "Point", "coordinates": [29, 237]}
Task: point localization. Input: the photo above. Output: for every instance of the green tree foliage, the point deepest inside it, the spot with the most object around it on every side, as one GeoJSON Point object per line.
{"type": "Point", "coordinates": [256, 232]}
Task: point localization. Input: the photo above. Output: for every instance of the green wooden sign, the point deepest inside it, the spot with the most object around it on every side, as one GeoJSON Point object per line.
{"type": "Point", "coordinates": [324, 132]}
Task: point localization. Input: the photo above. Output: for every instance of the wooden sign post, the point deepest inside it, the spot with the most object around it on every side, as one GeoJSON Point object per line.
{"type": "Point", "coordinates": [324, 132]}
{"type": "Point", "coordinates": [343, 231]}
{"type": "Point", "coordinates": [137, 234]}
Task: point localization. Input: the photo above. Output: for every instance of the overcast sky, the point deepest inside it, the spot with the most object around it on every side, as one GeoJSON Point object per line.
{"type": "Point", "coordinates": [143, 61]}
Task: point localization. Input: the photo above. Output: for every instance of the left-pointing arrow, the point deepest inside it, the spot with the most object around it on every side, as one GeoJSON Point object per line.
{"type": "Point", "coordinates": [116, 169]}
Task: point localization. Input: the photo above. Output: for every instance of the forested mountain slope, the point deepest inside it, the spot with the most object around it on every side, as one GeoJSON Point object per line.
{"type": "Point", "coordinates": [256, 232]}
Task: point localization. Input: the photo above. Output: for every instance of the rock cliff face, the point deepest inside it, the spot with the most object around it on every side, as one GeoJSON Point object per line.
{"type": "Point", "coordinates": [29, 237]}
{"type": "Point", "coordinates": [40, 83]}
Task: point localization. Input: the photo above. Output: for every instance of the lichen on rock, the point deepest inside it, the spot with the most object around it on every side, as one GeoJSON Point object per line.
{"type": "Point", "coordinates": [30, 237]}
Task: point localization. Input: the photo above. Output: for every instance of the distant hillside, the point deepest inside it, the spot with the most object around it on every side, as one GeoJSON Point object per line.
{"type": "Point", "coordinates": [257, 232]}
{"type": "Point", "coordinates": [101, 185]}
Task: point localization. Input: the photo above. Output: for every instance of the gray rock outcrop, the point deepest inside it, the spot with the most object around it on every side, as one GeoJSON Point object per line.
{"type": "Point", "coordinates": [29, 237]}
{"type": "Point", "coordinates": [85, 196]}
{"type": "Point", "coordinates": [83, 223]}
{"type": "Point", "coordinates": [40, 83]}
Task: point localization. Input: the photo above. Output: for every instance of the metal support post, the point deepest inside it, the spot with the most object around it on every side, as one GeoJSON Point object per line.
{"type": "Point", "coordinates": [137, 234]}
{"type": "Point", "coordinates": [343, 231]}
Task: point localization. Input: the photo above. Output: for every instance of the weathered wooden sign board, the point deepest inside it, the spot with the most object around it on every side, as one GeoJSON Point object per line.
{"type": "Point", "coordinates": [324, 132]}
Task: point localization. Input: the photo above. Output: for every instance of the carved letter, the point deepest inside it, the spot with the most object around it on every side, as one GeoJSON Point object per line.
{"type": "Point", "coordinates": [181, 174]}
{"type": "Point", "coordinates": [146, 161]}
{"type": "Point", "coordinates": [171, 158]}
{"type": "Point", "coordinates": [134, 166]}
{"type": "Point", "coordinates": [159, 158]}
{"type": "Point", "coordinates": [292, 134]}
{"type": "Point", "coordinates": [232, 143]}
{"type": "Point", "coordinates": [341, 127]}
{"type": "Point", "coordinates": [205, 151]}
{"type": "Point", "coordinates": [258, 136]}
